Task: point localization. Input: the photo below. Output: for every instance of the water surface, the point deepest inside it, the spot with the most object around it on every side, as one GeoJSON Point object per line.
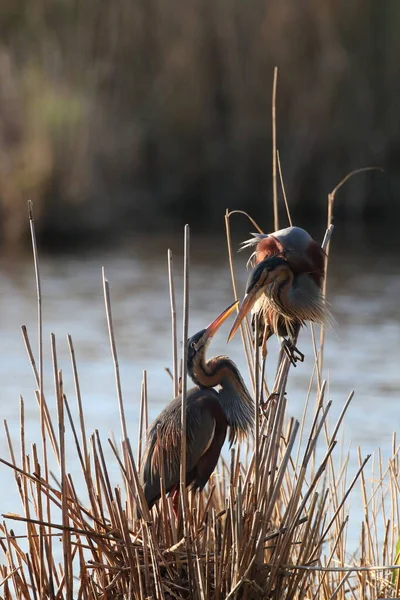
{"type": "Point", "coordinates": [361, 352]}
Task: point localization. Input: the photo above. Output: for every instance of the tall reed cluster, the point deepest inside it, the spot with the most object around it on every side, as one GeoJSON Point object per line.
{"type": "Point", "coordinates": [272, 522]}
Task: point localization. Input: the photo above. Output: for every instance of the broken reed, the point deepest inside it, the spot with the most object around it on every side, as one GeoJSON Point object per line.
{"type": "Point", "coordinates": [271, 524]}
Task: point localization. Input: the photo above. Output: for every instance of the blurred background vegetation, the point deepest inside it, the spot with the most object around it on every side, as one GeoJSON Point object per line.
{"type": "Point", "coordinates": [137, 115]}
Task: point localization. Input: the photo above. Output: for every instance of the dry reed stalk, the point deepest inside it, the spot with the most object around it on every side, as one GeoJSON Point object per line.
{"type": "Point", "coordinates": [271, 526]}
{"type": "Point", "coordinates": [40, 398]}
{"type": "Point", "coordinates": [326, 241]}
{"type": "Point", "coordinates": [257, 405]}
{"type": "Point", "coordinates": [141, 418]}
{"type": "Point", "coordinates": [274, 153]}
{"type": "Point", "coordinates": [326, 244]}
{"type": "Point", "coordinates": [185, 335]}
{"type": "Point", "coordinates": [182, 476]}
{"type": "Point", "coordinates": [175, 378]}
{"type": "Point", "coordinates": [107, 300]}
{"type": "Point", "coordinates": [244, 326]}
{"type": "Point", "coordinates": [79, 402]}
{"type": "Point", "coordinates": [283, 190]}
{"type": "Point", "coordinates": [40, 374]}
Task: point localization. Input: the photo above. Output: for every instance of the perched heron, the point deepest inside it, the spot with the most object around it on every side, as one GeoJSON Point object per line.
{"type": "Point", "coordinates": [284, 288]}
{"type": "Point", "coordinates": [209, 414]}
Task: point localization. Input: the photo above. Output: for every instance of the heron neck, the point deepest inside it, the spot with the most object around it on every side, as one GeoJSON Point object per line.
{"type": "Point", "coordinates": [234, 398]}
{"type": "Point", "coordinates": [233, 395]}
{"type": "Point", "coordinates": [238, 407]}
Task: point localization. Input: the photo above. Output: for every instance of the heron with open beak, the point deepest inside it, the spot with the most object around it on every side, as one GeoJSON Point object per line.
{"type": "Point", "coordinates": [210, 413]}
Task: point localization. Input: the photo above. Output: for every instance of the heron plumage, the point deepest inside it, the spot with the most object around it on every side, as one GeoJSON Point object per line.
{"type": "Point", "coordinates": [206, 428]}
{"type": "Point", "coordinates": [209, 413]}
{"type": "Point", "coordinates": [284, 289]}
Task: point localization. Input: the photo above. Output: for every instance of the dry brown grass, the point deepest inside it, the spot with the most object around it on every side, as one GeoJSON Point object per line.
{"type": "Point", "coordinates": [271, 524]}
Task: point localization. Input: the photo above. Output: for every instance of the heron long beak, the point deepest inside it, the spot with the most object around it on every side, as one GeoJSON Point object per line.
{"type": "Point", "coordinates": [213, 327]}
{"type": "Point", "coordinates": [246, 305]}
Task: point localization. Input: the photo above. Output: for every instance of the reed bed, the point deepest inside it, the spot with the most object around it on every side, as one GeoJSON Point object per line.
{"type": "Point", "coordinates": [272, 522]}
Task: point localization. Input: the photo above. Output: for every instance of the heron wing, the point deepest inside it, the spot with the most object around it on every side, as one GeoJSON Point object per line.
{"type": "Point", "coordinates": [163, 448]}
{"type": "Point", "coordinates": [205, 419]}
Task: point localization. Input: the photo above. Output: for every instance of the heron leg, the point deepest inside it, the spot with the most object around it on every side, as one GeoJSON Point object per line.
{"type": "Point", "coordinates": [263, 402]}
{"type": "Point", "coordinates": [175, 502]}
{"type": "Point", "coordinates": [264, 352]}
{"type": "Point", "coordinates": [291, 351]}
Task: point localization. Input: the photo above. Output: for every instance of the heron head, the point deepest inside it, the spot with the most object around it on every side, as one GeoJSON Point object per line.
{"type": "Point", "coordinates": [303, 254]}
{"type": "Point", "coordinates": [198, 343]}
{"type": "Point", "coordinates": [265, 273]}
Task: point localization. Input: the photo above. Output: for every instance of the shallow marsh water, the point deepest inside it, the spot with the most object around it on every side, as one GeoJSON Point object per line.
{"type": "Point", "coordinates": [361, 352]}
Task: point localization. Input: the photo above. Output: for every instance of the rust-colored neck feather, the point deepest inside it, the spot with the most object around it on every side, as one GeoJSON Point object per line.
{"type": "Point", "coordinates": [310, 262]}
{"type": "Point", "coordinates": [268, 247]}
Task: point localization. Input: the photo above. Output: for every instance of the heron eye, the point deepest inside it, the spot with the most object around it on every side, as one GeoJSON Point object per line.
{"type": "Point", "coordinates": [193, 345]}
